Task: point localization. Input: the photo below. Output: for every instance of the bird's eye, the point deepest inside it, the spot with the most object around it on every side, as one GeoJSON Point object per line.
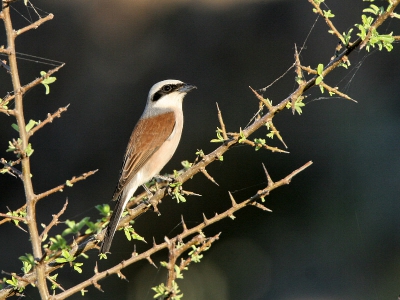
{"type": "Point", "coordinates": [168, 88]}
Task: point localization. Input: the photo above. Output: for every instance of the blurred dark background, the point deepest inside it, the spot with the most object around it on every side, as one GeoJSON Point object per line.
{"type": "Point", "coordinates": [335, 230]}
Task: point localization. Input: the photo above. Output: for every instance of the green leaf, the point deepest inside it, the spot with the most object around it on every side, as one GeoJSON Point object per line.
{"type": "Point", "coordinates": [242, 137]}
{"type": "Point", "coordinates": [57, 243]}
{"type": "Point", "coordinates": [259, 143]}
{"type": "Point", "coordinates": [83, 291]}
{"type": "Point", "coordinates": [127, 233]}
{"type": "Point", "coordinates": [200, 153]}
{"type": "Point", "coordinates": [186, 164]}
{"type": "Point", "coordinates": [30, 125]}
{"type": "Point", "coordinates": [104, 209]}
{"type": "Point", "coordinates": [54, 278]}
{"type": "Point", "coordinates": [29, 150]}
{"type": "Point", "coordinates": [395, 15]}
{"type": "Point", "coordinates": [328, 14]}
{"type": "Point", "coordinates": [178, 272]}
{"type": "Point", "coordinates": [320, 69]}
{"type": "Point", "coordinates": [47, 81]}
{"type": "Point", "coordinates": [77, 267]}
{"type": "Point", "coordinates": [15, 126]}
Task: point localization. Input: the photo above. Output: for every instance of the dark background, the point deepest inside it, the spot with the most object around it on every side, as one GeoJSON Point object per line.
{"type": "Point", "coordinates": [334, 231]}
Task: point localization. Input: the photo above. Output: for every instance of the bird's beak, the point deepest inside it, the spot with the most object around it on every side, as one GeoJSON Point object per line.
{"type": "Point", "coordinates": [187, 88]}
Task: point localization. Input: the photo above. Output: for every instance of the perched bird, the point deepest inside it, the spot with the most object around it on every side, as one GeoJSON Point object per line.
{"type": "Point", "coordinates": [151, 145]}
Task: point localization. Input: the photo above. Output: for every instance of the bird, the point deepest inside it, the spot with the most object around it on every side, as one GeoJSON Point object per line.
{"type": "Point", "coordinates": [152, 143]}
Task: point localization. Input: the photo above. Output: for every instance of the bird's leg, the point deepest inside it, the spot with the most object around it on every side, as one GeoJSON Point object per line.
{"type": "Point", "coordinates": [149, 193]}
{"type": "Point", "coordinates": [164, 178]}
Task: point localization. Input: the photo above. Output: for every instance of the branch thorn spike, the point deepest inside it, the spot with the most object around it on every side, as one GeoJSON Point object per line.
{"type": "Point", "coordinates": [183, 224]}
{"type": "Point", "coordinates": [205, 219]}
{"type": "Point", "coordinates": [151, 261]}
{"type": "Point", "coordinates": [270, 182]}
{"type": "Point", "coordinates": [232, 199]}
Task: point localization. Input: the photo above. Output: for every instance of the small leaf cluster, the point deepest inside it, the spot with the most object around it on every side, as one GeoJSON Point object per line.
{"type": "Point", "coordinates": [176, 191]}
{"type": "Point", "coordinates": [27, 262]}
{"type": "Point", "coordinates": [130, 233]}
{"type": "Point", "coordinates": [297, 106]}
{"type": "Point", "coordinates": [162, 291]}
{"type": "Point", "coordinates": [15, 147]}
{"type": "Point", "coordinates": [375, 39]}
{"type": "Point", "coordinates": [66, 257]}
{"type": "Point", "coordinates": [220, 138]}
{"type": "Point", "coordinates": [47, 81]}
{"type": "Point", "coordinates": [28, 127]}
{"type": "Point", "coordinates": [15, 284]}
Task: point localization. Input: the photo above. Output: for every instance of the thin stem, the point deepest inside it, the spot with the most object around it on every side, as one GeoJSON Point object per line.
{"type": "Point", "coordinates": [26, 170]}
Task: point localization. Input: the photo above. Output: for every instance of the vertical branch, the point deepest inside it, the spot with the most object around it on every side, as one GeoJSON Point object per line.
{"type": "Point", "coordinates": [26, 171]}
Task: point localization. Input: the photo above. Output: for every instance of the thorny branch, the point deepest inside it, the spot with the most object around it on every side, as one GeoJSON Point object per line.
{"type": "Point", "coordinates": [44, 269]}
{"type": "Point", "coordinates": [53, 222]}
{"type": "Point", "coordinates": [49, 119]}
{"type": "Point", "coordinates": [157, 247]}
{"type": "Point", "coordinates": [62, 186]}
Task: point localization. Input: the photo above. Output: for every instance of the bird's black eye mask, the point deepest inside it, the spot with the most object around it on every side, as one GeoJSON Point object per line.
{"type": "Point", "coordinates": [165, 90]}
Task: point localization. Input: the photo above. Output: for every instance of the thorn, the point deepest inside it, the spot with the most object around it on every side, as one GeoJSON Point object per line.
{"type": "Point", "coordinates": [183, 224]}
{"type": "Point", "coordinates": [204, 171]}
{"type": "Point", "coordinates": [180, 239]}
{"type": "Point", "coordinates": [261, 99]}
{"type": "Point", "coordinates": [151, 261]}
{"type": "Point", "coordinates": [222, 124]}
{"type": "Point", "coordinates": [96, 269]}
{"type": "Point", "coordinates": [134, 253]}
{"type": "Point", "coordinates": [155, 209]}
{"type": "Point", "coordinates": [189, 193]}
{"type": "Point", "coordinates": [97, 286]}
{"type": "Point", "coordinates": [232, 199]}
{"type": "Point", "coordinates": [270, 182]}
{"type": "Point", "coordinates": [205, 219]}
{"type": "Point", "coordinates": [167, 240]}
{"type": "Point", "coordinates": [260, 206]}
{"type": "Point", "coordinates": [122, 276]}
{"type": "Point", "coordinates": [154, 242]}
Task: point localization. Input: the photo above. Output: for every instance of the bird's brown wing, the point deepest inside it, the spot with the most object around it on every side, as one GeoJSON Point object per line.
{"type": "Point", "coordinates": [146, 138]}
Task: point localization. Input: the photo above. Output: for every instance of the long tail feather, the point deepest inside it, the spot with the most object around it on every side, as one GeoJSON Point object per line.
{"type": "Point", "coordinates": [113, 225]}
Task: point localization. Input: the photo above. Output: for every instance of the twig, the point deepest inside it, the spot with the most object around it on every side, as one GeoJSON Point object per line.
{"type": "Point", "coordinates": [209, 177]}
{"type": "Point", "coordinates": [379, 20]}
{"type": "Point", "coordinates": [273, 149]}
{"type": "Point", "coordinates": [49, 119]}
{"type": "Point", "coordinates": [25, 160]}
{"type": "Point", "coordinates": [33, 25]}
{"type": "Point", "coordinates": [336, 91]}
{"type": "Point", "coordinates": [156, 247]}
{"type": "Point", "coordinates": [327, 20]}
{"type": "Point", "coordinates": [262, 100]}
{"type": "Point", "coordinates": [62, 186]}
{"type": "Point", "coordinates": [9, 112]}
{"type": "Point", "coordinates": [276, 132]}
{"type": "Point", "coordinates": [186, 233]}
{"type": "Point", "coordinates": [8, 218]}
{"type": "Point", "coordinates": [300, 77]}
{"type": "Point", "coordinates": [35, 82]}
{"type": "Point", "coordinates": [309, 70]}
{"type": "Point", "coordinates": [222, 124]}
{"type": "Point", "coordinates": [12, 218]}
{"type": "Point", "coordinates": [53, 222]}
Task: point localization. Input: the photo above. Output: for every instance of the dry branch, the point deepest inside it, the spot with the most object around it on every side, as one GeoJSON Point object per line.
{"type": "Point", "coordinates": [49, 119]}
{"type": "Point", "coordinates": [62, 186]}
